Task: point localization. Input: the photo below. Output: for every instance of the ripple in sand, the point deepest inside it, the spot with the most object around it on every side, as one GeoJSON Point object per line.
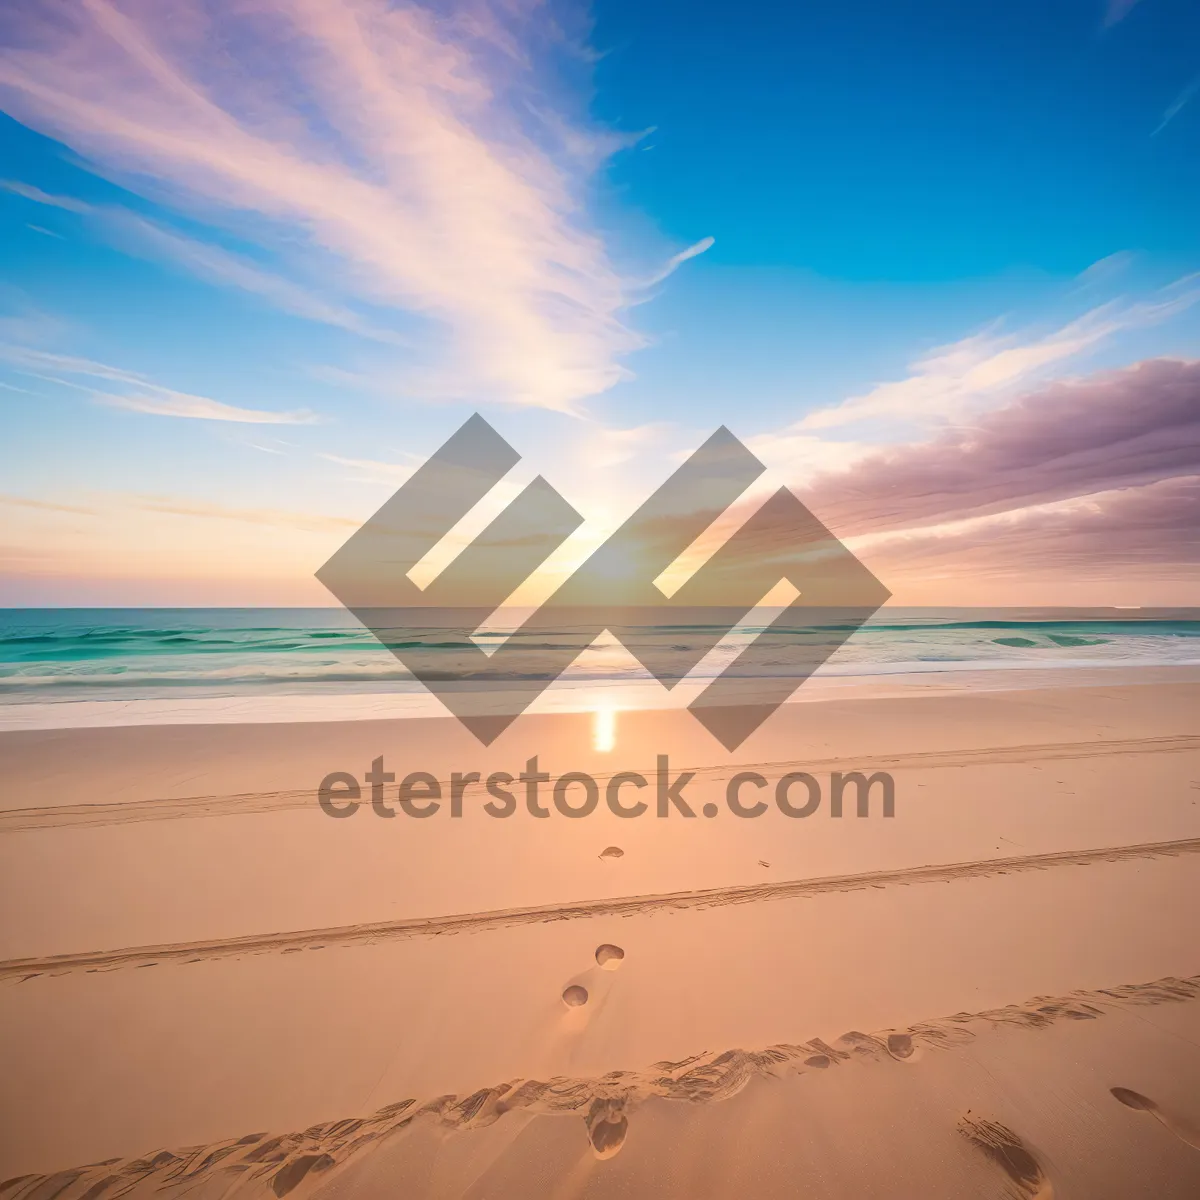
{"type": "Point", "coordinates": [575, 995]}
{"type": "Point", "coordinates": [609, 956]}
{"type": "Point", "coordinates": [612, 852]}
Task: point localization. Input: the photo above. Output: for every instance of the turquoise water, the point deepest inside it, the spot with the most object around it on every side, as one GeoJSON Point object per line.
{"type": "Point", "coordinates": [79, 654]}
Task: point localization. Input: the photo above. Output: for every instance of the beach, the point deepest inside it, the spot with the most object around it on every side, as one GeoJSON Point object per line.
{"type": "Point", "coordinates": [212, 984]}
{"type": "Point", "coordinates": [599, 600]}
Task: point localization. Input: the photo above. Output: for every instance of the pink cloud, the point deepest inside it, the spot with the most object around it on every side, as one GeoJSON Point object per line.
{"type": "Point", "coordinates": [1112, 430]}
{"type": "Point", "coordinates": [1152, 529]}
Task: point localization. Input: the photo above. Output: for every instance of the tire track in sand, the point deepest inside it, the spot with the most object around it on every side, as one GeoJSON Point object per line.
{"type": "Point", "coordinates": [20, 969]}
{"type": "Point", "coordinates": [56, 816]}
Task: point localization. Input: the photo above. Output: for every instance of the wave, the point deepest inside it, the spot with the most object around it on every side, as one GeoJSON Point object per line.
{"type": "Point", "coordinates": [45, 653]}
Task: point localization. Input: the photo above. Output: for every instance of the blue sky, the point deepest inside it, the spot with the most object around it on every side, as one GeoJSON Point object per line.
{"type": "Point", "coordinates": [260, 262]}
{"type": "Point", "coordinates": [925, 142]}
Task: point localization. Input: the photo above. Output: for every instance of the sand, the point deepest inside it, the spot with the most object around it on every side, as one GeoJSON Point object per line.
{"type": "Point", "coordinates": [995, 991]}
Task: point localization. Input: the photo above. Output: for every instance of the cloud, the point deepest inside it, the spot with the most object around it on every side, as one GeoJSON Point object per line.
{"type": "Point", "coordinates": [677, 260]}
{"type": "Point", "coordinates": [1117, 11]}
{"type": "Point", "coordinates": [143, 395]}
{"type": "Point", "coordinates": [1071, 439]}
{"type": "Point", "coordinates": [406, 148]}
{"type": "Point", "coordinates": [1104, 270]}
{"type": "Point", "coordinates": [163, 402]}
{"type": "Point", "coordinates": [69, 203]}
{"type": "Point", "coordinates": [308, 522]}
{"type": "Point", "coordinates": [45, 505]}
{"type": "Point", "coordinates": [139, 235]}
{"type": "Point", "coordinates": [369, 470]}
{"type": "Point", "coordinates": [220, 266]}
{"type": "Point", "coordinates": [607, 447]}
{"type": "Point", "coordinates": [797, 456]}
{"type": "Point", "coordinates": [1177, 105]}
{"type": "Point", "coordinates": [954, 380]}
{"type": "Point", "coordinates": [25, 324]}
{"type": "Point", "coordinates": [1148, 531]}
{"type": "Point", "coordinates": [21, 555]}
{"type": "Point", "coordinates": [1082, 482]}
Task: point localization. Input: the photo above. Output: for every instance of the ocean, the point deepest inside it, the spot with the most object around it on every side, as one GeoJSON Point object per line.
{"type": "Point", "coordinates": [114, 665]}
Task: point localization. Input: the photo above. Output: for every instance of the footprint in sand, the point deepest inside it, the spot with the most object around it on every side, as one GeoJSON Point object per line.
{"type": "Point", "coordinates": [609, 956]}
{"type": "Point", "coordinates": [1009, 1153]}
{"type": "Point", "coordinates": [607, 1126]}
{"type": "Point", "coordinates": [575, 995]}
{"type": "Point", "coordinates": [900, 1045]}
{"type": "Point", "coordinates": [1184, 1130]}
{"type": "Point", "coordinates": [292, 1173]}
{"type": "Point", "coordinates": [612, 852]}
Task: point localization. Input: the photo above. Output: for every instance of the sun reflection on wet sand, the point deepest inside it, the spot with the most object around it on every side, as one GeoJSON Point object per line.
{"type": "Point", "coordinates": [604, 729]}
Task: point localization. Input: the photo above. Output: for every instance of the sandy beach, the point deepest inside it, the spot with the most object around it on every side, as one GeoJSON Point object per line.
{"type": "Point", "coordinates": [599, 600]}
{"type": "Point", "coordinates": [210, 986]}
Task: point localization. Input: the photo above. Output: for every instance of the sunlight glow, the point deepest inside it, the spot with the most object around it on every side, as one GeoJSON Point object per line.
{"type": "Point", "coordinates": [604, 730]}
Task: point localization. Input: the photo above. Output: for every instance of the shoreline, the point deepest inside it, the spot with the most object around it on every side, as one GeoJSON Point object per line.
{"type": "Point", "coordinates": [563, 697]}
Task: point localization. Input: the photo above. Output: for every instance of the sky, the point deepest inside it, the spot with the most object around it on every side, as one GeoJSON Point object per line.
{"type": "Point", "coordinates": [937, 264]}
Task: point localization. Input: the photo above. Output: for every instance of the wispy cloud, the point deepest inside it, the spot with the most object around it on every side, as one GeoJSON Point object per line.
{"type": "Point", "coordinates": [409, 148]}
{"type": "Point", "coordinates": [608, 447]}
{"type": "Point", "coordinates": [1176, 106]}
{"type": "Point", "coordinates": [952, 381]}
{"type": "Point", "coordinates": [69, 203]}
{"type": "Point", "coordinates": [307, 522]}
{"type": "Point", "coordinates": [139, 235]}
{"type": "Point", "coordinates": [1106, 269]}
{"type": "Point", "coordinates": [677, 260]}
{"type": "Point", "coordinates": [1116, 538]}
{"type": "Point", "coordinates": [217, 265]}
{"type": "Point", "coordinates": [45, 505]}
{"type": "Point", "coordinates": [163, 402]}
{"type": "Point", "coordinates": [371, 470]}
{"type": "Point", "coordinates": [139, 393]}
{"type": "Point", "coordinates": [1117, 11]}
